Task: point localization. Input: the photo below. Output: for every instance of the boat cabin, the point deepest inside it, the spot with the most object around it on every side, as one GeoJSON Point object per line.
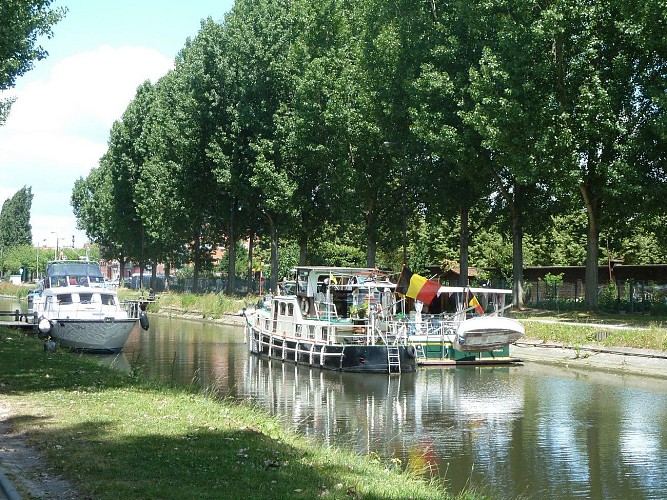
{"type": "Point", "coordinates": [342, 293]}
{"type": "Point", "coordinates": [73, 273]}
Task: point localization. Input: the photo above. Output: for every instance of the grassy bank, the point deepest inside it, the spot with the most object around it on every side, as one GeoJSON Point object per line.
{"type": "Point", "coordinates": [206, 305]}
{"type": "Point", "coordinates": [636, 331]}
{"type": "Point", "coordinates": [8, 289]}
{"type": "Point", "coordinates": [116, 436]}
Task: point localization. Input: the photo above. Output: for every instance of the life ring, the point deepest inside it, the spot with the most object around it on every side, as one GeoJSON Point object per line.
{"type": "Point", "coordinates": [143, 320]}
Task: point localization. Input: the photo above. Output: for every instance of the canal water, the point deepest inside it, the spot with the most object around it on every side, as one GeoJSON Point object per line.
{"type": "Point", "coordinates": [529, 431]}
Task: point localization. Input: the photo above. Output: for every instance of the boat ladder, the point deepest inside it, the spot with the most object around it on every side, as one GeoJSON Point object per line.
{"type": "Point", "coordinates": [419, 351]}
{"type": "Point", "coordinates": [393, 358]}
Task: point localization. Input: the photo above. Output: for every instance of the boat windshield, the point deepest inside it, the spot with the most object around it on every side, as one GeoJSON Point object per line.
{"type": "Point", "coordinates": [73, 273]}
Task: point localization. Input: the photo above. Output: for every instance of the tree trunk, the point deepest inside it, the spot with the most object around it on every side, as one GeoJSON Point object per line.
{"type": "Point", "coordinates": [303, 250]}
{"type": "Point", "coordinates": [274, 255]}
{"type": "Point", "coordinates": [154, 277]}
{"type": "Point", "coordinates": [251, 247]}
{"type": "Point", "coordinates": [231, 263]}
{"type": "Point", "coordinates": [371, 234]}
{"type": "Point", "coordinates": [121, 271]}
{"type": "Point", "coordinates": [231, 266]}
{"type": "Point", "coordinates": [197, 265]}
{"type": "Point", "coordinates": [593, 209]}
{"type": "Point", "coordinates": [371, 250]}
{"type": "Point", "coordinates": [167, 274]}
{"type": "Point", "coordinates": [464, 239]}
{"type": "Point", "coordinates": [517, 247]}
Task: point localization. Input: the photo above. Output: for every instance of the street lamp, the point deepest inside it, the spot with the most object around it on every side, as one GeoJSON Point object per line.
{"type": "Point", "coordinates": [55, 251]}
{"type": "Point", "coordinates": [37, 268]}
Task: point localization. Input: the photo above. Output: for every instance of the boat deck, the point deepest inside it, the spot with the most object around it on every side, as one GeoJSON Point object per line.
{"type": "Point", "coordinates": [475, 362]}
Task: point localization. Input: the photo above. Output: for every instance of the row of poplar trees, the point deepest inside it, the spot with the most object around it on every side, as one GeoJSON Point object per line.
{"type": "Point", "coordinates": [318, 120]}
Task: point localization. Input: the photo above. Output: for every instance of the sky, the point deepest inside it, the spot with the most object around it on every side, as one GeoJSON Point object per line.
{"type": "Point", "coordinates": [59, 125]}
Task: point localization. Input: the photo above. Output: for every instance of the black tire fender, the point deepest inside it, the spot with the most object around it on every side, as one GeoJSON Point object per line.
{"type": "Point", "coordinates": [143, 320]}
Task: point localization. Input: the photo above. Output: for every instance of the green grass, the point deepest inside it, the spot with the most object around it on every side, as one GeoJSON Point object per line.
{"type": "Point", "coordinates": [117, 436]}
{"type": "Point", "coordinates": [10, 290]}
{"type": "Point", "coordinates": [639, 331]}
{"type": "Point", "coordinates": [205, 305]}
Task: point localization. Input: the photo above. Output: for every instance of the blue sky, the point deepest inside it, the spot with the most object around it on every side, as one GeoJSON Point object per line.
{"type": "Point", "coordinates": [58, 129]}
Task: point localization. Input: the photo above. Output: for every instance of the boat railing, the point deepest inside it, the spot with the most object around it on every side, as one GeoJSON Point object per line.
{"type": "Point", "coordinates": [132, 307]}
{"type": "Point", "coordinates": [430, 326]}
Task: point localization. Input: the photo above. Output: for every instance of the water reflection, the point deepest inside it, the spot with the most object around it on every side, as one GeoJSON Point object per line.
{"type": "Point", "coordinates": [533, 431]}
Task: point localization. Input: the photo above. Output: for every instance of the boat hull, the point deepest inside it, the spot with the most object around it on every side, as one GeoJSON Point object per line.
{"type": "Point", "coordinates": [92, 335]}
{"type": "Point", "coordinates": [487, 333]}
{"type": "Point", "coordinates": [338, 357]}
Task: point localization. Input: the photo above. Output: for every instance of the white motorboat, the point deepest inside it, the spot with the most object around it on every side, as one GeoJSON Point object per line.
{"type": "Point", "coordinates": [75, 309]}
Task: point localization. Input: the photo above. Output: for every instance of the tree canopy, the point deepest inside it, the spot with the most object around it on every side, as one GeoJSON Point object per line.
{"type": "Point", "coordinates": [21, 23]}
{"type": "Point", "coordinates": [500, 133]}
{"type": "Point", "coordinates": [15, 228]}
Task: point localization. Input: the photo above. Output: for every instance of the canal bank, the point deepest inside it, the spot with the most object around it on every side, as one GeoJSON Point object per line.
{"type": "Point", "coordinates": [162, 441]}
{"type": "Point", "coordinates": [614, 359]}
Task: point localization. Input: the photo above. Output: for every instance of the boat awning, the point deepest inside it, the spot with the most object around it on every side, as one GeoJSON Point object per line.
{"type": "Point", "coordinates": [74, 269]}
{"type": "Point", "coordinates": [476, 290]}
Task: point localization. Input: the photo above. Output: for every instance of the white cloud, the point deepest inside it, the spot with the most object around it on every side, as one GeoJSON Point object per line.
{"type": "Point", "coordinates": [58, 128]}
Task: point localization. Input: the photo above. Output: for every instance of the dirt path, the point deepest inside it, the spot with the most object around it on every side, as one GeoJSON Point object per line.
{"type": "Point", "coordinates": [25, 469]}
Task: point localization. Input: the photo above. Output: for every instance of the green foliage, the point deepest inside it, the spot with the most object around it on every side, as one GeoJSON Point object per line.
{"type": "Point", "coordinates": [22, 22]}
{"type": "Point", "coordinates": [553, 279]}
{"type": "Point", "coordinates": [10, 290]}
{"type": "Point", "coordinates": [333, 254]}
{"type": "Point", "coordinates": [15, 226]}
{"type": "Point", "coordinates": [317, 128]}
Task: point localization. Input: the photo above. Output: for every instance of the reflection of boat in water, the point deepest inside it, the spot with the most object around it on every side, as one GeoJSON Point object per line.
{"type": "Point", "coordinates": [423, 419]}
{"type": "Point", "coordinates": [75, 309]}
{"type": "Point", "coordinates": [331, 323]}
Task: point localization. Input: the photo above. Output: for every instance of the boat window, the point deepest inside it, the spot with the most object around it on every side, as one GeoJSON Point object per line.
{"type": "Point", "coordinates": [85, 298]}
{"type": "Point", "coordinates": [282, 309]}
{"type": "Point", "coordinates": [108, 299]}
{"type": "Point", "coordinates": [290, 309]}
{"type": "Point", "coordinates": [65, 298]}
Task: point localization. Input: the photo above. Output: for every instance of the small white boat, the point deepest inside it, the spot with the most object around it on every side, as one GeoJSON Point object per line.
{"type": "Point", "coordinates": [487, 333]}
{"type": "Point", "coordinates": [75, 309]}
